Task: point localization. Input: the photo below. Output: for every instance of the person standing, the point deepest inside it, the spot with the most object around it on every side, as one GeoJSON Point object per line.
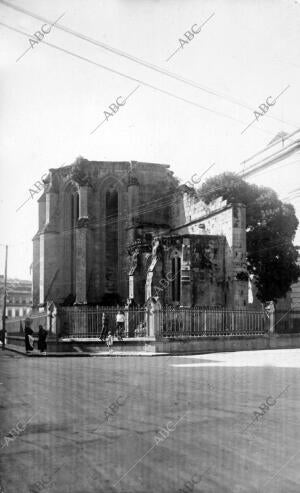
{"type": "Point", "coordinates": [42, 339]}
{"type": "Point", "coordinates": [29, 340]}
{"type": "Point", "coordinates": [3, 339]}
{"type": "Point", "coordinates": [104, 328]}
{"type": "Point", "coordinates": [120, 319]}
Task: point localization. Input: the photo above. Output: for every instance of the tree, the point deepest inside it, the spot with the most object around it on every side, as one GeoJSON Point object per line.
{"type": "Point", "coordinates": [271, 227]}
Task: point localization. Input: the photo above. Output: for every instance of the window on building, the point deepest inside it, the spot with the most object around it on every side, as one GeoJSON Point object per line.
{"type": "Point", "coordinates": [111, 233]}
{"type": "Point", "coordinates": [176, 278]}
{"type": "Point", "coordinates": [75, 208]}
{"type": "Point", "coordinates": [9, 313]}
{"type": "Point", "coordinates": [17, 313]}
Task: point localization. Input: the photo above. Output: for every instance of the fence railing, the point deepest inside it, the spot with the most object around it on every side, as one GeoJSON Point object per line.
{"type": "Point", "coordinates": [17, 325]}
{"type": "Point", "coordinates": [165, 322]}
{"type": "Point", "coordinates": [287, 322]}
{"type": "Point", "coordinates": [89, 321]}
{"type": "Point", "coordinates": [182, 322]}
{"type": "Point", "coordinates": [168, 322]}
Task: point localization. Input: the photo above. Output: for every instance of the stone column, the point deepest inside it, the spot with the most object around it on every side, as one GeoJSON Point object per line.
{"type": "Point", "coordinates": [36, 271]}
{"type": "Point", "coordinates": [51, 202]}
{"type": "Point", "coordinates": [272, 317]}
{"type": "Point", "coordinates": [83, 201]}
{"type": "Point", "coordinates": [148, 290]}
{"type": "Point", "coordinates": [36, 253]}
{"type": "Point", "coordinates": [131, 287]}
{"type": "Point", "coordinates": [153, 317]}
{"type": "Point", "coordinates": [81, 267]}
{"type": "Point", "coordinates": [133, 203]}
{"type": "Point", "coordinates": [81, 247]}
{"type": "Point", "coordinates": [49, 253]}
{"type": "Point", "coordinates": [49, 250]}
{"type": "Point", "coordinates": [135, 288]}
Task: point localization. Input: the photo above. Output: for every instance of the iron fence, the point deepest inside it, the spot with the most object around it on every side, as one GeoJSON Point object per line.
{"type": "Point", "coordinates": [287, 322]}
{"type": "Point", "coordinates": [192, 322]}
{"type": "Point", "coordinates": [170, 322]}
{"type": "Point", "coordinates": [89, 321]}
{"type": "Point", "coordinates": [17, 325]}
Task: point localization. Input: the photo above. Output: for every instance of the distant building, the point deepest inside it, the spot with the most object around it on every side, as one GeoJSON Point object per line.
{"type": "Point", "coordinates": [19, 297]}
{"type": "Point", "coordinates": [112, 231]}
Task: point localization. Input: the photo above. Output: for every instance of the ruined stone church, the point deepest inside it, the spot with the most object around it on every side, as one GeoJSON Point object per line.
{"type": "Point", "coordinates": [110, 232]}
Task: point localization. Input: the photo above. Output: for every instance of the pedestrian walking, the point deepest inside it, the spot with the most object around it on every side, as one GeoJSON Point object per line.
{"type": "Point", "coordinates": [109, 342]}
{"type": "Point", "coordinates": [3, 340]}
{"type": "Point", "coordinates": [42, 339]}
{"type": "Point", "coordinates": [29, 339]}
{"type": "Point", "coordinates": [104, 327]}
{"type": "Point", "coordinates": [120, 319]}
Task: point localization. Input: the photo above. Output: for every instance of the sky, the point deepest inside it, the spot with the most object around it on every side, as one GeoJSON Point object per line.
{"type": "Point", "coordinates": [53, 98]}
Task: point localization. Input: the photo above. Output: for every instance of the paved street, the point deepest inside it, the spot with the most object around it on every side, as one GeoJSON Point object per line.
{"type": "Point", "coordinates": [91, 425]}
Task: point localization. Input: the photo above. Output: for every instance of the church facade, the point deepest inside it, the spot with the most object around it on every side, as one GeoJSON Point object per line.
{"type": "Point", "coordinates": [110, 232]}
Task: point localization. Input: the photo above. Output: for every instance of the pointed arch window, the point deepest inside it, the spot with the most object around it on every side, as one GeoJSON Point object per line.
{"type": "Point", "coordinates": [176, 278]}
{"type": "Point", "coordinates": [111, 221]}
{"type": "Point", "coordinates": [74, 208]}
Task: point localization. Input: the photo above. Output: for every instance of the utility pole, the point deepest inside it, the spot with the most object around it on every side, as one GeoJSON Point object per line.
{"type": "Point", "coordinates": [4, 300]}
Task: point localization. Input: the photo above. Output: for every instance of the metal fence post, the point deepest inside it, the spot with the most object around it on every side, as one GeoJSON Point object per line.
{"type": "Point", "coordinates": [272, 317]}
{"type": "Point", "coordinates": [154, 309]}
{"type": "Point", "coordinates": [126, 311]}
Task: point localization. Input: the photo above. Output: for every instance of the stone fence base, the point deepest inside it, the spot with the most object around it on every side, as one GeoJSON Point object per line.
{"type": "Point", "coordinates": [221, 344]}
{"type": "Point", "coordinates": [201, 345]}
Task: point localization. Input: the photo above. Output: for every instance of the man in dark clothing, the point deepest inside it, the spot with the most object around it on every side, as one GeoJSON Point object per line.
{"type": "Point", "coordinates": [28, 339]}
{"type": "Point", "coordinates": [42, 344]}
{"type": "Point", "coordinates": [105, 327]}
{"type": "Point", "coordinates": [3, 337]}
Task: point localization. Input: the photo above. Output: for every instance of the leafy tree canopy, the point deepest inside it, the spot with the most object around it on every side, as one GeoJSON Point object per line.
{"type": "Point", "coordinates": [271, 226]}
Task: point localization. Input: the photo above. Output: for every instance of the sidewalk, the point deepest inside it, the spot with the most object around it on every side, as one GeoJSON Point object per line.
{"type": "Point", "coordinates": [37, 354]}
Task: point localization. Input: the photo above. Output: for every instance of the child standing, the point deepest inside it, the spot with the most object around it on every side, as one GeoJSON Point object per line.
{"type": "Point", "coordinates": [109, 341]}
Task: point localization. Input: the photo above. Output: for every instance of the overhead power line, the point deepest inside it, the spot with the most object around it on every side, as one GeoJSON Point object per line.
{"type": "Point", "coordinates": [129, 77]}
{"type": "Point", "coordinates": [140, 61]}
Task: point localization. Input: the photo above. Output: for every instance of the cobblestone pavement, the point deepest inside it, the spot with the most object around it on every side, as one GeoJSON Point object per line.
{"type": "Point", "coordinates": [226, 422]}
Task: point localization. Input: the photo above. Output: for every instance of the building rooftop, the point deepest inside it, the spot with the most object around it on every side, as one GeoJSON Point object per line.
{"type": "Point", "coordinates": [280, 147]}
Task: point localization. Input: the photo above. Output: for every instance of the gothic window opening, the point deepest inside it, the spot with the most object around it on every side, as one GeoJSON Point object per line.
{"type": "Point", "coordinates": [176, 278]}
{"type": "Point", "coordinates": [74, 208]}
{"type": "Point", "coordinates": [111, 276]}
